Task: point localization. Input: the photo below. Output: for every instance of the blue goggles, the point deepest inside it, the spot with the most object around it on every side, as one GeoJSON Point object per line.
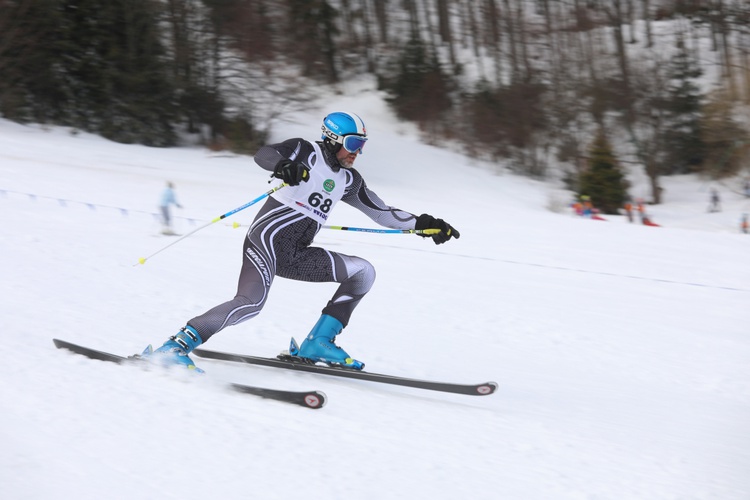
{"type": "Point", "coordinates": [354, 143]}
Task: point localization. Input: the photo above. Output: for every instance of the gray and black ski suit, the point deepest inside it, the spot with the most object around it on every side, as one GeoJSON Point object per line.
{"type": "Point", "coordinates": [279, 242]}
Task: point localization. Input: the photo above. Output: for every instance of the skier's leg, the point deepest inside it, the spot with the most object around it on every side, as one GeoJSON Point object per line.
{"type": "Point", "coordinates": [273, 224]}
{"type": "Point", "coordinates": [252, 291]}
{"type": "Point", "coordinates": [255, 280]}
{"type": "Point", "coordinates": [165, 219]}
{"type": "Point", "coordinates": [355, 275]}
{"type": "Point", "coordinates": [263, 246]}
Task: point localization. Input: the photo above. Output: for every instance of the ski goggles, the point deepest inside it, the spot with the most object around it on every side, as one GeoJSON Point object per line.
{"type": "Point", "coordinates": [354, 143]}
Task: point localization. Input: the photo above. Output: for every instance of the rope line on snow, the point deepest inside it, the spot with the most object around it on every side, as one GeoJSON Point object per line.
{"type": "Point", "coordinates": [569, 269]}
{"type": "Point", "coordinates": [64, 203]}
{"type": "Point", "coordinates": [125, 212]}
{"type": "Point", "coordinates": [629, 276]}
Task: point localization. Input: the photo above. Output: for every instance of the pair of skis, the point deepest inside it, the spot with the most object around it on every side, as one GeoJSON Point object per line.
{"type": "Point", "coordinates": [308, 399]}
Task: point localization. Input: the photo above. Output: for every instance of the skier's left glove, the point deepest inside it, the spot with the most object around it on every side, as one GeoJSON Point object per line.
{"type": "Point", "coordinates": [447, 231]}
{"type": "Point", "coordinates": [291, 172]}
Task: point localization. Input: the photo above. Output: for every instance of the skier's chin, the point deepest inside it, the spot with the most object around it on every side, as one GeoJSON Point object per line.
{"type": "Point", "coordinates": [347, 161]}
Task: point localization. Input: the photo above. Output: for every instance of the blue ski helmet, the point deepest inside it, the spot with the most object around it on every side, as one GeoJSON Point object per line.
{"type": "Point", "coordinates": [346, 129]}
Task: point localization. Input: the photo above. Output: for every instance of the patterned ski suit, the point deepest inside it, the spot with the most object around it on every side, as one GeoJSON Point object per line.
{"type": "Point", "coordinates": [280, 238]}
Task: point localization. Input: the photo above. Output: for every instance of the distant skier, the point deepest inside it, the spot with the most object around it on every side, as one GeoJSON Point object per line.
{"type": "Point", "coordinates": [588, 206]}
{"type": "Point", "coordinates": [715, 201]}
{"type": "Point", "coordinates": [628, 206]}
{"type": "Point", "coordinates": [645, 219]}
{"type": "Point", "coordinates": [279, 241]}
{"type": "Point", "coordinates": [167, 198]}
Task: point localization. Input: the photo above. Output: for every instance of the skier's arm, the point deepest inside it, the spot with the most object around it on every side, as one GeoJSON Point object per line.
{"type": "Point", "coordinates": [268, 157]}
{"type": "Point", "coordinates": [281, 159]}
{"type": "Point", "coordinates": [366, 201]}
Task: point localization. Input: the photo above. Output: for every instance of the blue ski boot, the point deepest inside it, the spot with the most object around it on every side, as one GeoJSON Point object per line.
{"type": "Point", "coordinates": [319, 345]}
{"type": "Point", "coordinates": [176, 349]}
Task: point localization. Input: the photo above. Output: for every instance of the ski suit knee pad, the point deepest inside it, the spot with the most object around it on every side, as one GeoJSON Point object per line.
{"type": "Point", "coordinates": [360, 275]}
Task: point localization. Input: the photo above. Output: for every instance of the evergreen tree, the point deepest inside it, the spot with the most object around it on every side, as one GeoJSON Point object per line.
{"type": "Point", "coordinates": [119, 85]}
{"type": "Point", "coordinates": [603, 179]}
{"type": "Point", "coordinates": [418, 89]}
{"type": "Point", "coordinates": [30, 80]}
{"type": "Point", "coordinates": [683, 144]}
{"type": "Point", "coordinates": [313, 29]}
{"type": "Point", "coordinates": [96, 65]}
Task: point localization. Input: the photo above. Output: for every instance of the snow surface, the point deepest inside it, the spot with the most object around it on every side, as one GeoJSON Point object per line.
{"type": "Point", "coordinates": [621, 351]}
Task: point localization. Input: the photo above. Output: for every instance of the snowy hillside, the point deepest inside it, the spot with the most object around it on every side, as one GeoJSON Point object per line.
{"type": "Point", "coordinates": [621, 351]}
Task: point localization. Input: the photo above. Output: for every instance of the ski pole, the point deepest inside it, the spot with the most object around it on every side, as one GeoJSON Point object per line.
{"type": "Point", "coordinates": [426, 232]}
{"type": "Point", "coordinates": [143, 260]}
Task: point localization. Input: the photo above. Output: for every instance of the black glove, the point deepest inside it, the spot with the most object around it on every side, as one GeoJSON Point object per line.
{"type": "Point", "coordinates": [291, 172]}
{"type": "Point", "coordinates": [447, 231]}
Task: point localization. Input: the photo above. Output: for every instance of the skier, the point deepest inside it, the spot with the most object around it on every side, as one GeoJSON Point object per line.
{"type": "Point", "coordinates": [167, 198]}
{"type": "Point", "coordinates": [715, 201]}
{"type": "Point", "coordinates": [279, 242]}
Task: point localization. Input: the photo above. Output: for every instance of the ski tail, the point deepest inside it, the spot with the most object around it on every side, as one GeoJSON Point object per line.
{"type": "Point", "coordinates": [308, 399]}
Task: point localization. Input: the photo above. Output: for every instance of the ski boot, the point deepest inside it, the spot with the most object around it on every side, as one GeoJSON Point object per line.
{"type": "Point", "coordinates": [176, 349]}
{"type": "Point", "coordinates": [320, 345]}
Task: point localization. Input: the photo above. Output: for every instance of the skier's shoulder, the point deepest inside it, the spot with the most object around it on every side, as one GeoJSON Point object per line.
{"type": "Point", "coordinates": [354, 173]}
{"type": "Point", "coordinates": [298, 141]}
{"type": "Point", "coordinates": [298, 145]}
{"type": "Point", "coordinates": [289, 147]}
{"type": "Point", "coordinates": [354, 181]}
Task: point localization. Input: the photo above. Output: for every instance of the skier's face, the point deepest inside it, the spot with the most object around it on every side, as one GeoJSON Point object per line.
{"type": "Point", "coordinates": [346, 158]}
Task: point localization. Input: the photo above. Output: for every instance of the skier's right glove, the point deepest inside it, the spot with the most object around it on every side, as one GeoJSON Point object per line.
{"type": "Point", "coordinates": [447, 231]}
{"type": "Point", "coordinates": [291, 172]}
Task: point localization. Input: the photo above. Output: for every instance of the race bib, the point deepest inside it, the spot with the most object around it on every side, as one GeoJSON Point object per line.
{"type": "Point", "coordinates": [316, 197]}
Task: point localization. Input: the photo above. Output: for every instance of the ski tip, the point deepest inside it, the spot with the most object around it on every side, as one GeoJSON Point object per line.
{"type": "Point", "coordinates": [486, 389]}
{"type": "Point", "coordinates": [62, 344]}
{"type": "Point", "coordinates": [316, 400]}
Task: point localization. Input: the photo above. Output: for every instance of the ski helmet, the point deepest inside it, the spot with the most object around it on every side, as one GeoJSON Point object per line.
{"type": "Point", "coordinates": [346, 129]}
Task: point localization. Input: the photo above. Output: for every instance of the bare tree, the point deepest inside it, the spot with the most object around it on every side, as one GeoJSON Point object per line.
{"type": "Point", "coordinates": [495, 39]}
{"type": "Point", "coordinates": [511, 29]}
{"type": "Point", "coordinates": [647, 17]}
{"type": "Point", "coordinates": [380, 7]}
{"type": "Point", "coordinates": [444, 28]}
{"type": "Point", "coordinates": [723, 27]}
{"type": "Point", "coordinates": [616, 18]}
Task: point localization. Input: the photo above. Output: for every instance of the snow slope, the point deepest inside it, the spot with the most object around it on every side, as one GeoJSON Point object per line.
{"type": "Point", "coordinates": [621, 351]}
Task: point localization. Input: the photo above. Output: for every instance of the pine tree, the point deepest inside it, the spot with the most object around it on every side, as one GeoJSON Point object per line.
{"type": "Point", "coordinates": [603, 179]}
{"type": "Point", "coordinates": [419, 90]}
{"type": "Point", "coordinates": [30, 83]}
{"type": "Point", "coordinates": [118, 83]}
{"type": "Point", "coordinates": [313, 29]}
{"type": "Point", "coordinates": [683, 143]}
{"type": "Point", "coordinates": [96, 65]}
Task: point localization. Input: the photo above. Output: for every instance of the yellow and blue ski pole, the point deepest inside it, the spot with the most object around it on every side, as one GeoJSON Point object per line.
{"type": "Point", "coordinates": [426, 232]}
{"type": "Point", "coordinates": [268, 193]}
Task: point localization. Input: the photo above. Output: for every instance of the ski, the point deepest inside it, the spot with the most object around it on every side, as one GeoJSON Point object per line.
{"type": "Point", "coordinates": [296, 363]}
{"type": "Point", "coordinates": [308, 399]}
